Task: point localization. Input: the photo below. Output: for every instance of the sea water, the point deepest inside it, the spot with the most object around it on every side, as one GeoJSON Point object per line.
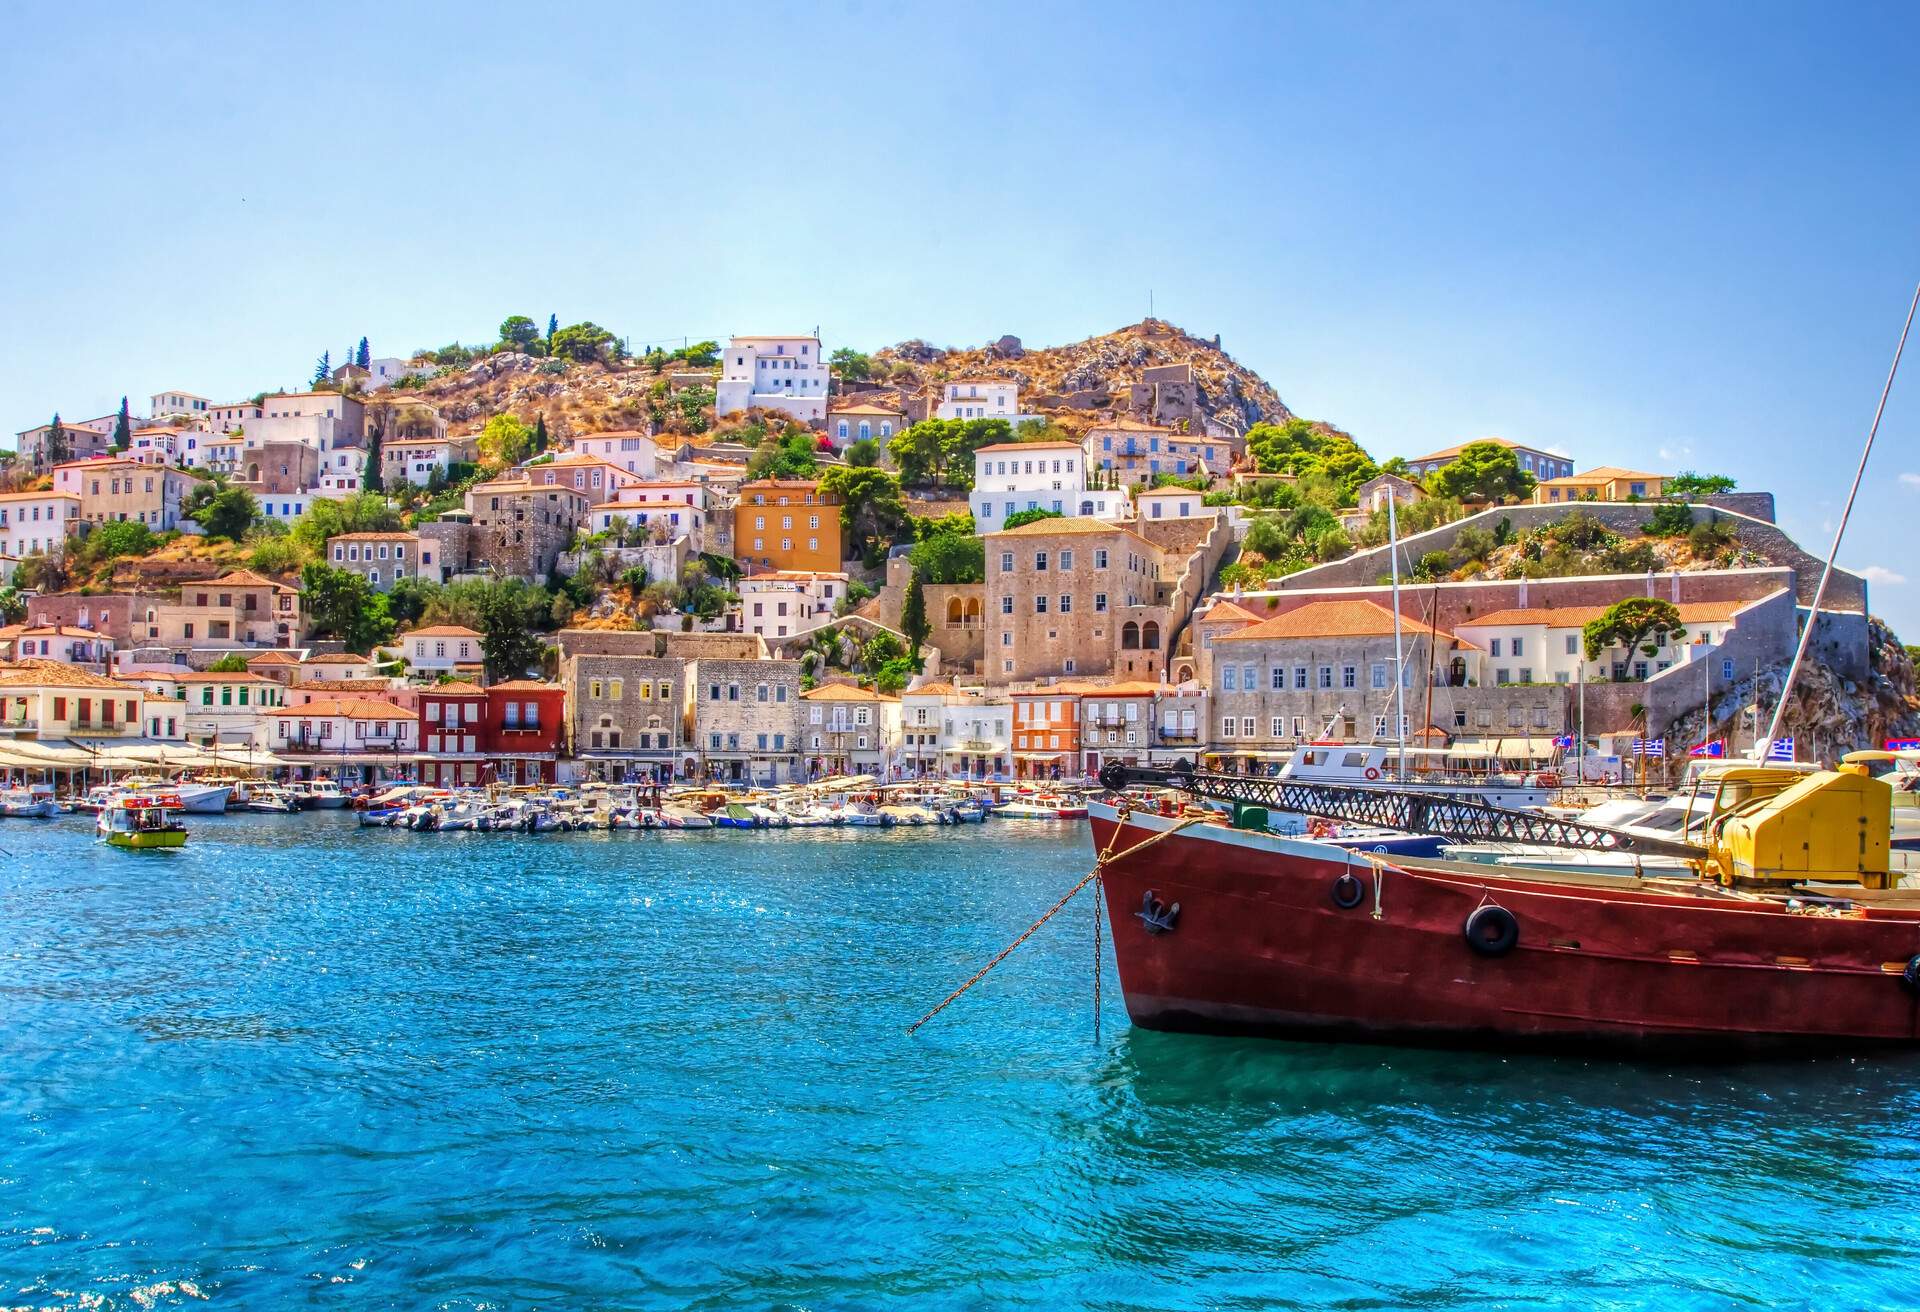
{"type": "Point", "coordinates": [303, 1064]}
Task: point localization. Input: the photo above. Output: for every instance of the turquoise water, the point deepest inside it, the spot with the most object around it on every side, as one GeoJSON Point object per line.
{"type": "Point", "coordinates": [302, 1065]}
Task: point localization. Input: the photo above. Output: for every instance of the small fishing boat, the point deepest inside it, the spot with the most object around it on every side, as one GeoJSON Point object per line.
{"type": "Point", "coordinates": [317, 794]}
{"type": "Point", "coordinates": [142, 822]}
{"type": "Point", "coordinates": [270, 800]}
{"type": "Point", "coordinates": [33, 802]}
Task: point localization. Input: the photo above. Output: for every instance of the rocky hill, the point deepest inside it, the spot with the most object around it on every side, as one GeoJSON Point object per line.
{"type": "Point", "coordinates": [1075, 385]}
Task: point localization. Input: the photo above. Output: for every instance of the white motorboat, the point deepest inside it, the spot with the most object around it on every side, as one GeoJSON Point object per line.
{"type": "Point", "coordinates": [1373, 765]}
{"type": "Point", "coordinates": [33, 802]}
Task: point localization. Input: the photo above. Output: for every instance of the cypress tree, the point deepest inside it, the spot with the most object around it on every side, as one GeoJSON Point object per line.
{"type": "Point", "coordinates": [913, 616]}
{"type": "Point", "coordinates": [364, 357]}
{"type": "Point", "coordinates": [553, 330]}
{"type": "Point", "coordinates": [371, 479]}
{"type": "Point", "coordinates": [323, 368]}
{"type": "Point", "coordinates": [539, 433]}
{"type": "Point", "coordinates": [58, 448]}
{"type": "Point", "coordinates": [123, 427]}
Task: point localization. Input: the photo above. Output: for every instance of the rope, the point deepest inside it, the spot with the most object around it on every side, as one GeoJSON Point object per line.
{"type": "Point", "coordinates": [1099, 864]}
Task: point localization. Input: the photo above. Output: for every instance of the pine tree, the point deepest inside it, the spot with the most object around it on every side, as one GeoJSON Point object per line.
{"type": "Point", "coordinates": [123, 427]}
{"type": "Point", "coordinates": [913, 616]}
{"type": "Point", "coordinates": [58, 448]}
{"type": "Point", "coordinates": [539, 433]}
{"type": "Point", "coordinates": [323, 368]}
{"type": "Point", "coordinates": [363, 357]}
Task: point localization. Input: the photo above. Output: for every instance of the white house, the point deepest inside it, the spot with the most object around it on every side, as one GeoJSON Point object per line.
{"type": "Point", "coordinates": [674, 518]}
{"type": "Point", "coordinates": [980, 398]}
{"type": "Point", "coordinates": [163, 405]}
{"type": "Point", "coordinates": [342, 471]}
{"type": "Point", "coordinates": [214, 709]}
{"type": "Point", "coordinates": [441, 649]}
{"type": "Point", "coordinates": [388, 370]}
{"type": "Point", "coordinates": [773, 373]}
{"type": "Point", "coordinates": [1172, 503]}
{"type": "Point", "coordinates": [1014, 476]}
{"type": "Point", "coordinates": [629, 449]}
{"type": "Point", "coordinates": [1542, 644]}
{"type": "Point", "coordinates": [858, 423]}
{"type": "Point", "coordinates": [237, 415]}
{"type": "Point", "coordinates": [36, 521]}
{"type": "Point", "coordinates": [779, 603]}
{"type": "Point", "coordinates": [353, 730]}
{"type": "Point", "coordinates": [58, 642]}
{"type": "Point", "coordinates": [413, 459]}
{"type": "Point", "coordinates": [590, 475]}
{"type": "Point", "coordinates": [322, 420]}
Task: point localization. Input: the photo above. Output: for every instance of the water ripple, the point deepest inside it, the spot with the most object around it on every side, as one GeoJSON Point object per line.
{"type": "Point", "coordinates": [302, 1064]}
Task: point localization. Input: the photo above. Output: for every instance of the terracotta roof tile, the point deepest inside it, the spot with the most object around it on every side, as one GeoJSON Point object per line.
{"type": "Point", "coordinates": [1329, 619]}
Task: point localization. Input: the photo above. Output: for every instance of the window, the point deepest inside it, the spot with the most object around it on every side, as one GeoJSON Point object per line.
{"type": "Point", "coordinates": [1278, 681]}
{"type": "Point", "coordinates": [1349, 676]}
{"type": "Point", "coordinates": [1300, 678]}
{"type": "Point", "coordinates": [1006, 604]}
{"type": "Point", "coordinates": [1517, 651]}
{"type": "Point", "coordinates": [1379, 674]}
{"type": "Point", "coordinates": [1100, 558]}
{"type": "Point", "coordinates": [1039, 562]}
{"type": "Point", "coordinates": [1246, 726]}
{"type": "Point", "coordinates": [1099, 603]}
{"type": "Point", "coordinates": [1573, 644]}
{"type": "Point", "coordinates": [1726, 669]}
{"type": "Point", "coordinates": [1066, 560]}
{"type": "Point", "coordinates": [1229, 679]}
{"type": "Point", "coordinates": [1503, 676]}
{"type": "Point", "coordinates": [1066, 603]}
{"type": "Point", "coordinates": [1526, 674]}
{"type": "Point", "coordinates": [1226, 726]}
{"type": "Point", "coordinates": [1006, 560]}
{"type": "Point", "coordinates": [1326, 676]}
{"type": "Point", "coordinates": [1493, 648]}
{"type": "Point", "coordinates": [1039, 603]}
{"type": "Point", "coordinates": [1278, 727]}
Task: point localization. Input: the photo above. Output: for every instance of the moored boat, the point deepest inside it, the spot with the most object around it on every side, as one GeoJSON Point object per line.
{"type": "Point", "coordinates": [1790, 935]}
{"type": "Point", "coordinates": [33, 802]}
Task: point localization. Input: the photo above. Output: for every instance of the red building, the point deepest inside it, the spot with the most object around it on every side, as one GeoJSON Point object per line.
{"type": "Point", "coordinates": [524, 719]}
{"type": "Point", "coordinates": [454, 736]}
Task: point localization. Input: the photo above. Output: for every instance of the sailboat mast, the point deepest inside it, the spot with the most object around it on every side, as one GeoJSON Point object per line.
{"type": "Point", "coordinates": [1399, 650]}
{"type": "Point", "coordinates": [1826, 574]}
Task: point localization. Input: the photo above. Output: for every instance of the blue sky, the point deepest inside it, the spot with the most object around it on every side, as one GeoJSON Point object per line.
{"type": "Point", "coordinates": [1658, 236]}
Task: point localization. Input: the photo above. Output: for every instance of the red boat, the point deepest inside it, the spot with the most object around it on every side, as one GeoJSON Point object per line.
{"type": "Point", "coordinates": [1226, 930]}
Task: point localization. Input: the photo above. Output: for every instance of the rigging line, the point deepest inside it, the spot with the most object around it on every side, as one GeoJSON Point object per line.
{"type": "Point", "coordinates": [1826, 574]}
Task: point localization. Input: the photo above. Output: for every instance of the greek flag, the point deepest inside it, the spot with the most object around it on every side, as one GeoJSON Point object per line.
{"type": "Point", "coordinates": [1564, 741]}
{"type": "Point", "coordinates": [1903, 744]}
{"type": "Point", "coordinates": [1649, 746]}
{"type": "Point", "coordinates": [1715, 748]}
{"type": "Point", "coordinates": [1780, 749]}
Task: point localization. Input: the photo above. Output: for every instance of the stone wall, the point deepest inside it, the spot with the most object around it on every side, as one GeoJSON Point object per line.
{"type": "Point", "coordinates": [111, 614]}
{"type": "Point", "coordinates": [1847, 592]}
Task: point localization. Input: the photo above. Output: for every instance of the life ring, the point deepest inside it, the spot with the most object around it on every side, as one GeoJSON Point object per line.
{"type": "Point", "coordinates": [1910, 977]}
{"type": "Point", "coordinates": [1349, 891]}
{"type": "Point", "coordinates": [1372, 773]}
{"type": "Point", "coordinates": [1492, 930]}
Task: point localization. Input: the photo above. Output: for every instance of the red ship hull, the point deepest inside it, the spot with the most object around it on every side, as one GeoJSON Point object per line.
{"type": "Point", "coordinates": [1259, 946]}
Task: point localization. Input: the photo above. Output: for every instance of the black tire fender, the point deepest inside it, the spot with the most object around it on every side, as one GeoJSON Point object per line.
{"type": "Point", "coordinates": [1492, 931]}
{"type": "Point", "coordinates": [1349, 891]}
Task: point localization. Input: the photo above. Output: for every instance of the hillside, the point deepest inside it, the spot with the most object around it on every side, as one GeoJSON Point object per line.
{"type": "Point", "coordinates": [1075, 385]}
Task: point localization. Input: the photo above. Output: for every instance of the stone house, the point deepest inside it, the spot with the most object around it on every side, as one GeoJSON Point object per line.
{"type": "Point", "coordinates": [382, 559]}
{"type": "Point", "coordinates": [1539, 462]}
{"type": "Point", "coordinates": [238, 609]}
{"type": "Point", "coordinates": [627, 713]}
{"type": "Point", "coordinates": [746, 720]}
{"type": "Point", "coordinates": [1129, 453]}
{"type": "Point", "coordinates": [1076, 596]}
{"type": "Point", "coordinates": [519, 529]}
{"type": "Point", "coordinates": [858, 423]}
{"type": "Point", "coordinates": [125, 490]}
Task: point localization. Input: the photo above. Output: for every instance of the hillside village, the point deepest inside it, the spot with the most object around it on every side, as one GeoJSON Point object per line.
{"type": "Point", "coordinates": [545, 558]}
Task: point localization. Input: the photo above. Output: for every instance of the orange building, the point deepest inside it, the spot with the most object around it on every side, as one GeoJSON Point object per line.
{"type": "Point", "coordinates": [1046, 730]}
{"type": "Point", "coordinates": [785, 523]}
